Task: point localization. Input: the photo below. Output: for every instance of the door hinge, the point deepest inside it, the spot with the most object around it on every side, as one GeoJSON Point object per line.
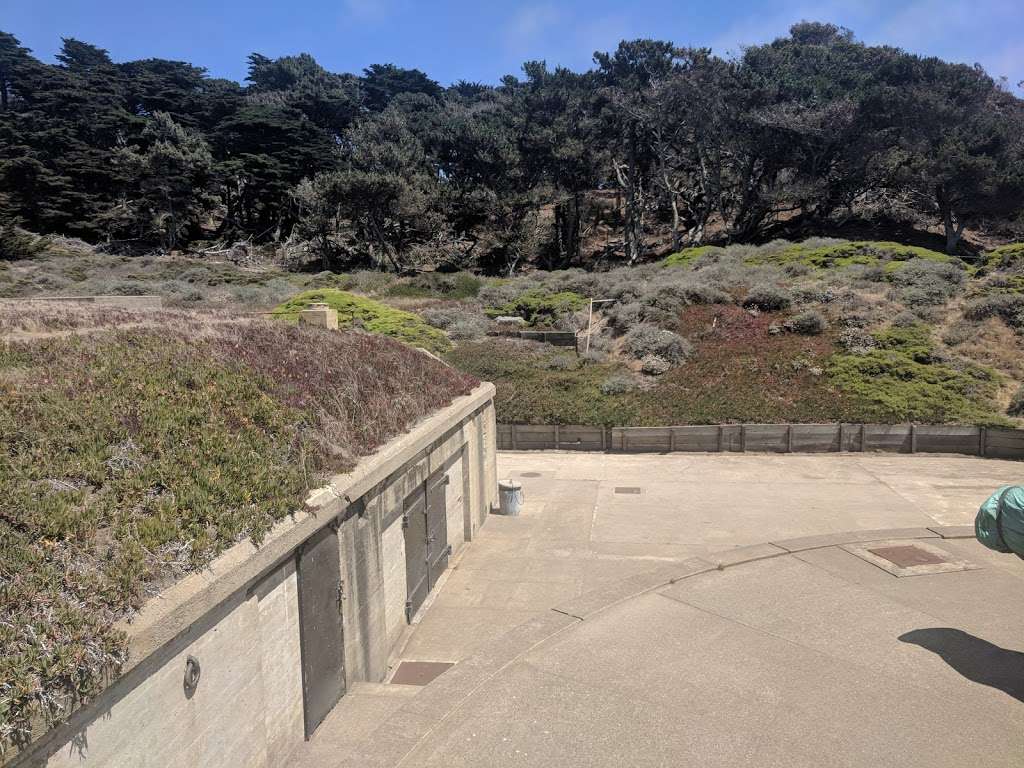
{"type": "Point", "coordinates": [408, 611]}
{"type": "Point", "coordinates": [405, 521]}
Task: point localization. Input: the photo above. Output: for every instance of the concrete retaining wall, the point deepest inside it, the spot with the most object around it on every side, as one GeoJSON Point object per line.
{"type": "Point", "coordinates": [768, 438]}
{"type": "Point", "coordinates": [240, 617]}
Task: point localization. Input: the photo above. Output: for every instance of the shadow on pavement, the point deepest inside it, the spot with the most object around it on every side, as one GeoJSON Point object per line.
{"type": "Point", "coordinates": [978, 660]}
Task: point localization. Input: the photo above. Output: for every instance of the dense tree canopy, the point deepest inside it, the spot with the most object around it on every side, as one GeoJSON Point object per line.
{"type": "Point", "coordinates": [657, 147]}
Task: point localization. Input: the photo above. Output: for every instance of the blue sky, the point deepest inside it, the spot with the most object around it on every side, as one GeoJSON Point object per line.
{"type": "Point", "coordinates": [474, 40]}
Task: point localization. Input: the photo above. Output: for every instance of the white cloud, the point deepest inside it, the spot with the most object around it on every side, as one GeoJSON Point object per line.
{"type": "Point", "coordinates": [368, 10]}
{"type": "Point", "coordinates": [531, 26]}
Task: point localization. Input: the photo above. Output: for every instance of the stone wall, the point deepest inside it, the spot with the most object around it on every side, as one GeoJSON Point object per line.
{"type": "Point", "coordinates": [240, 618]}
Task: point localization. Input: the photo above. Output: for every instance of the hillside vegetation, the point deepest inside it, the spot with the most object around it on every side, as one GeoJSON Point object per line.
{"type": "Point", "coordinates": [131, 457]}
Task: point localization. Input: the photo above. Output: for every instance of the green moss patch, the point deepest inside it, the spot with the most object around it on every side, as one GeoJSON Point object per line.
{"type": "Point", "coordinates": [903, 379]}
{"type": "Point", "coordinates": [371, 315]}
{"type": "Point", "coordinates": [889, 255]}
{"type": "Point", "coordinates": [1005, 257]}
{"type": "Point", "coordinates": [687, 256]}
{"type": "Point", "coordinates": [539, 307]}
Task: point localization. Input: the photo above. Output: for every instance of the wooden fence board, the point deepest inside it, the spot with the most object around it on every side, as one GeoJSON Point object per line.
{"type": "Point", "coordinates": [815, 438]}
{"type": "Point", "coordinates": [774, 438]}
{"type": "Point", "coordinates": [895, 438]}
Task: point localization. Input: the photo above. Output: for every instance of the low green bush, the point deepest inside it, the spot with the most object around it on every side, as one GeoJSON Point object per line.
{"type": "Point", "coordinates": [808, 323]}
{"type": "Point", "coordinates": [687, 256]}
{"type": "Point", "coordinates": [539, 307]}
{"type": "Point", "coordinates": [1016, 407]}
{"type": "Point", "coordinates": [371, 315]}
{"type": "Point", "coordinates": [1009, 256]}
{"type": "Point", "coordinates": [767, 298]}
{"type": "Point", "coordinates": [845, 254]}
{"type": "Point", "coordinates": [902, 378]}
{"type": "Point", "coordinates": [645, 340]}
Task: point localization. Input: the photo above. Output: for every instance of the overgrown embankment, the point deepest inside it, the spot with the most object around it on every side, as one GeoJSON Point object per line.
{"type": "Point", "coordinates": [128, 458]}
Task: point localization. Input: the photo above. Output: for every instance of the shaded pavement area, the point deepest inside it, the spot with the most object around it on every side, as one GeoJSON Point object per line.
{"type": "Point", "coordinates": [713, 611]}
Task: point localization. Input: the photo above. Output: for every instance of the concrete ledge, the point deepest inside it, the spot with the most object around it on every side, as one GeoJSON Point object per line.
{"type": "Point", "coordinates": [597, 600]}
{"type": "Point", "coordinates": [742, 555]}
{"type": "Point", "coordinates": [174, 610]}
{"type": "Point", "coordinates": [853, 537]}
{"type": "Point", "coordinates": [953, 531]}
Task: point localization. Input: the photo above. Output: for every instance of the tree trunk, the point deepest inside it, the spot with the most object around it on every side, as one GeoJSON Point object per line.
{"type": "Point", "coordinates": [953, 227]}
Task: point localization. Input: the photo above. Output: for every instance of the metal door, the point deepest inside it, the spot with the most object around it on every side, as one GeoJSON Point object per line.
{"type": "Point", "coordinates": [321, 635]}
{"type": "Point", "coordinates": [415, 523]}
{"type": "Point", "coordinates": [437, 529]}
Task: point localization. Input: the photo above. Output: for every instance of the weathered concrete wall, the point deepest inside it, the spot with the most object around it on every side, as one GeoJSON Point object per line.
{"type": "Point", "coordinates": [246, 710]}
{"type": "Point", "coordinates": [240, 618]}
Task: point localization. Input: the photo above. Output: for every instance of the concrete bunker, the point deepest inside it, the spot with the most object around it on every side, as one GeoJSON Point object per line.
{"type": "Point", "coordinates": [239, 663]}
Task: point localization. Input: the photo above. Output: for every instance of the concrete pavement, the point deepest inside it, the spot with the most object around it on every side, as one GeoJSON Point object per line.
{"type": "Point", "coordinates": [574, 647]}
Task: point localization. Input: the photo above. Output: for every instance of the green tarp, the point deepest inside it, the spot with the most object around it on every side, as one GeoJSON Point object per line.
{"type": "Point", "coordinates": [1000, 521]}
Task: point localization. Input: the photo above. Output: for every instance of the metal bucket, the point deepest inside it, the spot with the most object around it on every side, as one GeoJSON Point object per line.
{"type": "Point", "coordinates": [510, 497]}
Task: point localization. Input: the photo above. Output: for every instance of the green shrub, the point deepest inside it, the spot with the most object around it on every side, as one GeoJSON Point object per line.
{"type": "Point", "coordinates": [618, 384]}
{"type": "Point", "coordinates": [1006, 306]}
{"type": "Point", "coordinates": [539, 307]}
{"type": "Point", "coordinates": [767, 298]}
{"type": "Point", "coordinates": [457, 285]}
{"type": "Point", "coordinates": [846, 254]}
{"type": "Point", "coordinates": [687, 256]}
{"type": "Point", "coordinates": [371, 315]}
{"type": "Point", "coordinates": [902, 379]}
{"type": "Point", "coordinates": [16, 244]}
{"type": "Point", "coordinates": [654, 365]}
{"type": "Point", "coordinates": [809, 323]}
{"type": "Point", "coordinates": [1016, 406]}
{"type": "Point", "coordinates": [648, 339]}
{"type": "Point", "coordinates": [1009, 256]}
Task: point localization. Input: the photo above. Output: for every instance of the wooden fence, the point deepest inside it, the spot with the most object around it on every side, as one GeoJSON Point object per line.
{"type": "Point", "coordinates": [768, 438]}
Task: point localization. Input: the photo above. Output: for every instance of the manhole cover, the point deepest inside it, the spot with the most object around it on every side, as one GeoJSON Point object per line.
{"type": "Point", "coordinates": [627, 489]}
{"type": "Point", "coordinates": [529, 474]}
{"type": "Point", "coordinates": [419, 672]}
{"type": "Point", "coordinates": [902, 557]}
{"type": "Point", "coordinates": [907, 556]}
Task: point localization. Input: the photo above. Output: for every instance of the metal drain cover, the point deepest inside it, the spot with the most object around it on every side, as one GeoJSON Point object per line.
{"type": "Point", "coordinates": [627, 489]}
{"type": "Point", "coordinates": [419, 672]}
{"type": "Point", "coordinates": [529, 474]}
{"type": "Point", "coordinates": [908, 556]}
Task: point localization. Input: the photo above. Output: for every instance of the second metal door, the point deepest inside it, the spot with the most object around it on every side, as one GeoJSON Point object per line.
{"type": "Point", "coordinates": [426, 541]}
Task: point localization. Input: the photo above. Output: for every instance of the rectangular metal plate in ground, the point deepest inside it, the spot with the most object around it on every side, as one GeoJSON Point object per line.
{"type": "Point", "coordinates": [907, 556]}
{"type": "Point", "coordinates": [529, 474]}
{"type": "Point", "coordinates": [903, 557]}
{"type": "Point", "coordinates": [419, 672]}
{"type": "Point", "coordinates": [627, 489]}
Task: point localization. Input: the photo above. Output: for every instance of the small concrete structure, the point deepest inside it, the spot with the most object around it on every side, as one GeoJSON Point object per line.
{"type": "Point", "coordinates": [319, 315]}
{"type": "Point", "coordinates": [255, 619]}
